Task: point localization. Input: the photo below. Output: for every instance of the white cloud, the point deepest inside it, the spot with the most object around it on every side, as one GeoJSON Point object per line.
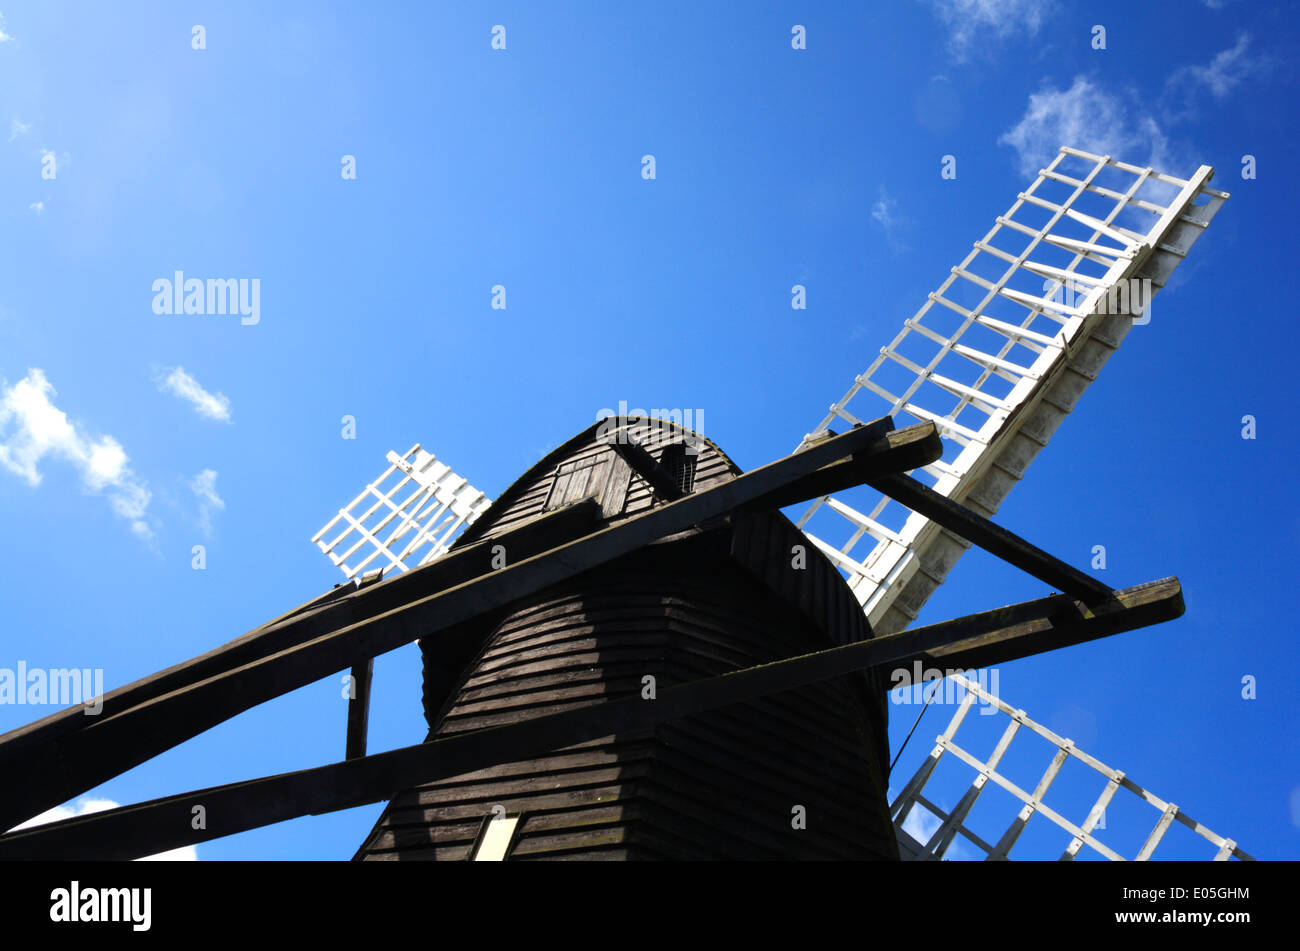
{"type": "Point", "coordinates": [883, 212]}
{"type": "Point", "coordinates": [213, 406]}
{"type": "Point", "coordinates": [1086, 117]}
{"type": "Point", "coordinates": [1228, 68]}
{"type": "Point", "coordinates": [204, 487]}
{"type": "Point", "coordinates": [921, 824]}
{"type": "Point", "coordinates": [32, 427]}
{"type": "Point", "coordinates": [84, 807]}
{"type": "Point", "coordinates": [4, 37]}
{"type": "Point", "coordinates": [1089, 117]}
{"type": "Point", "coordinates": [36, 206]}
{"type": "Point", "coordinates": [971, 22]}
{"type": "Point", "coordinates": [17, 128]}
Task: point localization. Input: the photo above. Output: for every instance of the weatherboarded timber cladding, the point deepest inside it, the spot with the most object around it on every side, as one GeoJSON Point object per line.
{"type": "Point", "coordinates": [715, 786]}
{"type": "Point", "coordinates": [562, 662]}
{"type": "Point", "coordinates": [764, 543]}
{"type": "Point", "coordinates": [719, 785]}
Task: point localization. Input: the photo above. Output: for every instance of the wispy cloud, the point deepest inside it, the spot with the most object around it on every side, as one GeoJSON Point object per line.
{"type": "Point", "coordinates": [17, 128]}
{"type": "Point", "coordinates": [32, 427]}
{"type": "Point", "coordinates": [85, 806]}
{"type": "Point", "coordinates": [1091, 117]}
{"type": "Point", "coordinates": [36, 206]}
{"type": "Point", "coordinates": [4, 37]}
{"type": "Point", "coordinates": [972, 23]}
{"type": "Point", "coordinates": [884, 212]}
{"type": "Point", "coordinates": [204, 487]}
{"type": "Point", "coordinates": [921, 824]}
{"type": "Point", "coordinates": [1223, 73]}
{"type": "Point", "coordinates": [210, 405]}
{"type": "Point", "coordinates": [1084, 116]}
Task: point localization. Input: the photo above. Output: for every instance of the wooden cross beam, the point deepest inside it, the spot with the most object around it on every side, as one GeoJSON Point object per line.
{"type": "Point", "coordinates": [65, 755]}
{"type": "Point", "coordinates": [161, 824]}
{"type": "Point", "coordinates": [1034, 627]}
{"type": "Point", "coordinates": [992, 538]}
{"type": "Point", "coordinates": [328, 612]}
{"type": "Point", "coordinates": [646, 466]}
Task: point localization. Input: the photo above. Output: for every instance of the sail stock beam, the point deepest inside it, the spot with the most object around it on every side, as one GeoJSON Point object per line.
{"type": "Point", "coordinates": [158, 825]}
{"type": "Point", "coordinates": [69, 753]}
{"type": "Point", "coordinates": [998, 355]}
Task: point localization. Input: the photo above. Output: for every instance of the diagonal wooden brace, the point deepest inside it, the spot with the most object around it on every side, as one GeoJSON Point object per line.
{"type": "Point", "coordinates": [993, 538]}
{"type": "Point", "coordinates": [161, 824]}
{"type": "Point", "coordinates": [144, 720]}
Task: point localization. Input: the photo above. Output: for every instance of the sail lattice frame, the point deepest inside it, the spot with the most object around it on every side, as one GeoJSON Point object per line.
{"type": "Point", "coordinates": [416, 509]}
{"type": "Point", "coordinates": [951, 823]}
{"type": "Point", "coordinates": [998, 356]}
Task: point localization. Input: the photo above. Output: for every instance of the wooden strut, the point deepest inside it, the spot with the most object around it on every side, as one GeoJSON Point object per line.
{"type": "Point", "coordinates": [68, 753]}
{"type": "Point", "coordinates": [322, 614]}
{"type": "Point", "coordinates": [359, 709]}
{"type": "Point", "coordinates": [992, 538]}
{"type": "Point", "coordinates": [167, 823]}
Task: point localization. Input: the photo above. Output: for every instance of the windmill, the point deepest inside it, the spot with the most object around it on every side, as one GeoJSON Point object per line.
{"type": "Point", "coordinates": [632, 653]}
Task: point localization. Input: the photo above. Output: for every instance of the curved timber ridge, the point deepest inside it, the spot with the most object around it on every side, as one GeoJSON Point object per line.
{"type": "Point", "coordinates": [799, 774]}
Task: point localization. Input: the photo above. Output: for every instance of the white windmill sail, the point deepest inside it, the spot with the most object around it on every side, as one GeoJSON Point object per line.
{"type": "Point", "coordinates": [412, 514]}
{"type": "Point", "coordinates": [1000, 353]}
{"type": "Point", "coordinates": [951, 824]}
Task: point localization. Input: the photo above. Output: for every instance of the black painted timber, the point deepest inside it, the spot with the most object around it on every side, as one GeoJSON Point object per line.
{"type": "Point", "coordinates": [354, 630]}
{"type": "Point", "coordinates": [162, 824]}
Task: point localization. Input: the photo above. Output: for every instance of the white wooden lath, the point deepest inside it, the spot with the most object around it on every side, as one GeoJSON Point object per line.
{"type": "Point", "coordinates": [1084, 833]}
{"type": "Point", "coordinates": [1000, 353]}
{"type": "Point", "coordinates": [414, 511]}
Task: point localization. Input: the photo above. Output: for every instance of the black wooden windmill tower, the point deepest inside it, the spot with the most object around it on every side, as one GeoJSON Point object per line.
{"type": "Point", "coordinates": [633, 654]}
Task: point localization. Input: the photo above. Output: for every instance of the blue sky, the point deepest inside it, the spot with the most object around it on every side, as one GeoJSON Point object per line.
{"type": "Point", "coordinates": [128, 437]}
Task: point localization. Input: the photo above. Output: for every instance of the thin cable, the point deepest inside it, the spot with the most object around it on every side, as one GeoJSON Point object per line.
{"type": "Point", "coordinates": [926, 706]}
